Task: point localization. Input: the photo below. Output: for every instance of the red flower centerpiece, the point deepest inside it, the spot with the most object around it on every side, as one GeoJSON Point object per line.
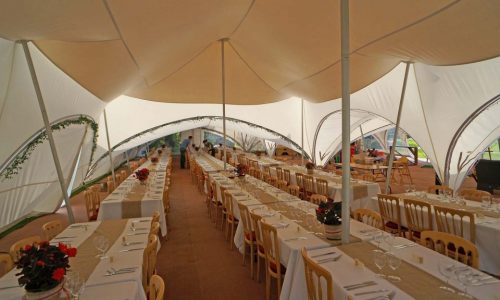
{"type": "Point", "coordinates": [142, 174]}
{"type": "Point", "coordinates": [43, 266]}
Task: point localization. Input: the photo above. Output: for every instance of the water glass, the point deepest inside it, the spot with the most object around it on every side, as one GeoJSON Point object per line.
{"type": "Point", "coordinates": [380, 260]}
{"type": "Point", "coordinates": [465, 278]}
{"type": "Point", "coordinates": [394, 263]}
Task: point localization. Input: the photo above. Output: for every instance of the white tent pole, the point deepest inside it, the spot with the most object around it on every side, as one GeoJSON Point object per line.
{"type": "Point", "coordinates": [223, 98]}
{"type": "Point", "coordinates": [362, 138]}
{"type": "Point", "coordinates": [109, 149]}
{"type": "Point", "coordinates": [126, 157]}
{"type": "Point", "coordinates": [48, 129]}
{"type": "Point", "coordinates": [346, 120]}
{"type": "Point", "coordinates": [302, 130]}
{"type": "Point", "coordinates": [396, 131]}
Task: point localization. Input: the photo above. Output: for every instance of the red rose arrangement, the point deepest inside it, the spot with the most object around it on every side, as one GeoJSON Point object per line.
{"type": "Point", "coordinates": [43, 266]}
{"type": "Point", "coordinates": [142, 174]}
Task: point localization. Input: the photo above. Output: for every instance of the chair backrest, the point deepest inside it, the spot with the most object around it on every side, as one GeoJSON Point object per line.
{"type": "Point", "coordinates": [317, 198]}
{"type": "Point", "coordinates": [271, 247]}
{"type": "Point", "coordinates": [299, 179]}
{"type": "Point", "coordinates": [228, 204]}
{"type": "Point", "coordinates": [273, 181]}
{"type": "Point", "coordinates": [389, 211]}
{"type": "Point", "coordinates": [279, 173]}
{"type": "Point", "coordinates": [322, 187]}
{"type": "Point", "coordinates": [455, 221]}
{"type": "Point", "coordinates": [266, 170]}
{"type": "Point", "coordinates": [149, 261]}
{"type": "Point", "coordinates": [452, 246]}
{"type": "Point", "coordinates": [282, 185]}
{"type": "Point", "coordinates": [247, 222]}
{"type": "Point", "coordinates": [418, 216]}
{"type": "Point", "coordinates": [309, 184]}
{"type": "Point", "coordinates": [6, 263]}
{"type": "Point", "coordinates": [110, 185]}
{"type": "Point", "coordinates": [51, 229]}
{"type": "Point", "coordinates": [294, 190]}
{"type": "Point", "coordinates": [255, 219]}
{"type": "Point", "coordinates": [439, 188]}
{"type": "Point", "coordinates": [156, 288]}
{"type": "Point", "coordinates": [368, 217]}
{"type": "Point", "coordinates": [258, 173]}
{"type": "Point", "coordinates": [286, 175]}
{"type": "Point", "coordinates": [14, 249]}
{"type": "Point", "coordinates": [315, 275]}
{"type": "Point", "coordinates": [155, 217]}
{"type": "Point", "coordinates": [475, 195]}
{"type": "Point", "coordinates": [89, 205]}
{"type": "Point", "coordinates": [155, 228]}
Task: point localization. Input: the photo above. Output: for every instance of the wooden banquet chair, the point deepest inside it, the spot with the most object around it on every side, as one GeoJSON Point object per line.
{"type": "Point", "coordinates": [454, 221]}
{"type": "Point", "coordinates": [317, 198]}
{"type": "Point", "coordinates": [434, 189]}
{"type": "Point", "coordinates": [231, 221]}
{"type": "Point", "coordinates": [322, 187]}
{"type": "Point", "coordinates": [403, 169]}
{"type": "Point", "coordinates": [282, 185]}
{"type": "Point", "coordinates": [475, 195]}
{"type": "Point", "coordinates": [259, 241]}
{"type": "Point", "coordinates": [315, 274]}
{"type": "Point", "coordinates": [418, 217]}
{"type": "Point", "coordinates": [155, 229]}
{"type": "Point", "coordinates": [149, 258]}
{"type": "Point", "coordinates": [110, 186]}
{"type": "Point", "coordinates": [249, 238]}
{"type": "Point", "coordinates": [279, 173]}
{"type": "Point", "coordinates": [390, 211]}
{"type": "Point", "coordinates": [221, 210]}
{"type": "Point", "coordinates": [452, 246]}
{"type": "Point", "coordinates": [14, 249]}
{"type": "Point", "coordinates": [294, 190]}
{"type": "Point", "coordinates": [156, 288]}
{"type": "Point", "coordinates": [299, 179]}
{"type": "Point", "coordinates": [286, 176]}
{"type": "Point", "coordinates": [155, 217]}
{"type": "Point", "coordinates": [369, 217]}
{"type": "Point", "coordinates": [308, 186]}
{"type": "Point", "coordinates": [51, 229]}
{"type": "Point", "coordinates": [6, 263]}
{"type": "Point", "coordinates": [90, 206]}
{"type": "Point", "coordinates": [272, 250]}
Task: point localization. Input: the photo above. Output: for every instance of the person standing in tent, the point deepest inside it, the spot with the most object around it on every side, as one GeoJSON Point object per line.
{"type": "Point", "coordinates": [184, 145]}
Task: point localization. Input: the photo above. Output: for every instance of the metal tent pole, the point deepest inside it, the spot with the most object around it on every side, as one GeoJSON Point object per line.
{"type": "Point", "coordinates": [109, 149]}
{"type": "Point", "coordinates": [396, 131]}
{"type": "Point", "coordinates": [223, 73]}
{"type": "Point", "coordinates": [48, 129]}
{"type": "Point", "coordinates": [346, 122]}
{"type": "Point", "coordinates": [302, 130]}
{"type": "Point", "coordinates": [363, 148]}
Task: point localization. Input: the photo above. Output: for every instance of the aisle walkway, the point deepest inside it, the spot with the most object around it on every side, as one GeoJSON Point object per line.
{"type": "Point", "coordinates": [196, 261]}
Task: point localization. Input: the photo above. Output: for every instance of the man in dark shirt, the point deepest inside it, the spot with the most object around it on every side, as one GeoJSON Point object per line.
{"type": "Point", "coordinates": [184, 145]}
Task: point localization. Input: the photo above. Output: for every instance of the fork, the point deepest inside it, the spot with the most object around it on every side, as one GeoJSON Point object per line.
{"type": "Point", "coordinates": [389, 296]}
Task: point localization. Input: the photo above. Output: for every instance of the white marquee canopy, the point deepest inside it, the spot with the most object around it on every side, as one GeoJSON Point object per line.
{"type": "Point", "coordinates": [91, 55]}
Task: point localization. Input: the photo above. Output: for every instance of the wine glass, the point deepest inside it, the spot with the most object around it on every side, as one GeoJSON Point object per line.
{"type": "Point", "coordinates": [465, 278]}
{"type": "Point", "coordinates": [444, 268]}
{"type": "Point", "coordinates": [394, 262]}
{"type": "Point", "coordinates": [102, 244]}
{"type": "Point", "coordinates": [380, 260]}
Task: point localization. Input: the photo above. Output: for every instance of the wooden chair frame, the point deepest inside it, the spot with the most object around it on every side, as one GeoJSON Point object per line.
{"type": "Point", "coordinates": [418, 217]}
{"type": "Point", "coordinates": [451, 221]}
{"type": "Point", "coordinates": [390, 211]}
{"type": "Point", "coordinates": [322, 187]}
{"type": "Point", "coordinates": [452, 246]}
{"type": "Point", "coordinates": [249, 236]}
{"type": "Point", "coordinates": [259, 241]}
{"type": "Point", "coordinates": [51, 229]}
{"type": "Point", "coordinates": [315, 271]}
{"type": "Point", "coordinates": [368, 217]}
{"type": "Point", "coordinates": [272, 250]}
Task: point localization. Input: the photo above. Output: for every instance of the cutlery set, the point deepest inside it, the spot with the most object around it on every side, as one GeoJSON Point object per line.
{"type": "Point", "coordinates": [113, 271]}
{"type": "Point", "coordinates": [296, 238]}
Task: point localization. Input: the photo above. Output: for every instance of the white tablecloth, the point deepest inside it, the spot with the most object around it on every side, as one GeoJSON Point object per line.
{"type": "Point", "coordinates": [98, 286]}
{"type": "Point", "coordinates": [487, 234]}
{"type": "Point", "coordinates": [152, 201]}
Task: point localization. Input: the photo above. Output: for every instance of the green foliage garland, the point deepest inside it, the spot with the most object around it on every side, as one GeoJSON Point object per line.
{"type": "Point", "coordinates": [16, 164]}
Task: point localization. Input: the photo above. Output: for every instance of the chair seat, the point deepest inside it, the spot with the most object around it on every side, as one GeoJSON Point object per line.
{"type": "Point", "coordinates": [250, 236]}
{"type": "Point", "coordinates": [272, 265]}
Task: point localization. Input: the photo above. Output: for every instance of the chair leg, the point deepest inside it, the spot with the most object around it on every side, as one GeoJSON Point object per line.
{"type": "Point", "coordinates": [244, 252]}
{"type": "Point", "coordinates": [251, 259]}
{"type": "Point", "coordinates": [268, 285]}
{"type": "Point", "coordinates": [258, 266]}
{"type": "Point", "coordinates": [278, 284]}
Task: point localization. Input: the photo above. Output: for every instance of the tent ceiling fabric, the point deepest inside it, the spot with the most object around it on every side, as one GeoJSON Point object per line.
{"type": "Point", "coordinates": [168, 51]}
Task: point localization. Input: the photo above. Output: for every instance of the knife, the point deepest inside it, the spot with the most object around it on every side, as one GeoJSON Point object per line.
{"type": "Point", "coordinates": [133, 249]}
{"type": "Point", "coordinates": [361, 286]}
{"type": "Point", "coordinates": [323, 254]}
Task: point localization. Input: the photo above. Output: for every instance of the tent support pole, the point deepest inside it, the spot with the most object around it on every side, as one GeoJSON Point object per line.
{"type": "Point", "coordinates": [48, 129]}
{"type": "Point", "coordinates": [109, 149]}
{"type": "Point", "coordinates": [363, 148]}
{"type": "Point", "coordinates": [126, 157]}
{"type": "Point", "coordinates": [223, 73]}
{"type": "Point", "coordinates": [396, 131]}
{"type": "Point", "coordinates": [346, 120]}
{"type": "Point", "coordinates": [302, 130]}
